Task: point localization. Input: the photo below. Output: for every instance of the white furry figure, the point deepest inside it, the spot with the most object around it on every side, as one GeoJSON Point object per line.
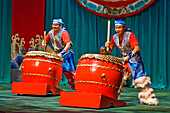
{"type": "Point", "coordinates": [146, 95]}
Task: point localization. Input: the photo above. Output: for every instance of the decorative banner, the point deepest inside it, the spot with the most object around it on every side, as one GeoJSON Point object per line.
{"type": "Point", "coordinates": [115, 8]}
{"type": "Point", "coordinates": [27, 31]}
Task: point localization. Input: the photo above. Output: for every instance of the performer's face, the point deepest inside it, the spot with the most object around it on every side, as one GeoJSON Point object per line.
{"type": "Point", "coordinates": [103, 51]}
{"type": "Point", "coordinates": [120, 30]}
{"type": "Point", "coordinates": [56, 27]}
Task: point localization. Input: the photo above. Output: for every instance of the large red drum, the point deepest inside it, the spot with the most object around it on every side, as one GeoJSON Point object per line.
{"type": "Point", "coordinates": [99, 74]}
{"type": "Point", "coordinates": [41, 67]}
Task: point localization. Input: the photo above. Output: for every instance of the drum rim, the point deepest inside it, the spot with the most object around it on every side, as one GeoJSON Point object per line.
{"type": "Point", "coordinates": [107, 58]}
{"type": "Point", "coordinates": [45, 54]}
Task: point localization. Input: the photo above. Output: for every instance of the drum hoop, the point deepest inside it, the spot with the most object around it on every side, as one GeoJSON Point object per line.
{"type": "Point", "coordinates": [40, 75]}
{"type": "Point", "coordinates": [45, 54]}
{"type": "Point", "coordinates": [100, 66]}
{"type": "Point", "coordinates": [100, 83]}
{"type": "Point", "coordinates": [102, 58]}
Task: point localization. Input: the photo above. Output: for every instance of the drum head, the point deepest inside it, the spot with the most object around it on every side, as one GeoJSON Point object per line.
{"type": "Point", "coordinates": [107, 58]}
{"type": "Point", "coordinates": [45, 54]}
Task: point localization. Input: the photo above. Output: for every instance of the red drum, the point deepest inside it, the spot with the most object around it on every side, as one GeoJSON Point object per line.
{"type": "Point", "coordinates": [41, 67]}
{"type": "Point", "coordinates": [99, 74]}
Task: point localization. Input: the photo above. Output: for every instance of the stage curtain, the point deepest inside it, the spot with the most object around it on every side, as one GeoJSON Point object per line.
{"type": "Point", "coordinates": [88, 32]}
{"type": "Point", "coordinates": [5, 39]}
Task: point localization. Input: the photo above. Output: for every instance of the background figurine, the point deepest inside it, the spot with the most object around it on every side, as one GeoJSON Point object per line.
{"type": "Point", "coordinates": [61, 44]}
{"type": "Point", "coordinates": [103, 50]}
{"type": "Point", "coordinates": [129, 47]}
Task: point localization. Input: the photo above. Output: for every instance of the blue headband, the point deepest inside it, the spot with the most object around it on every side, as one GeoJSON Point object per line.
{"type": "Point", "coordinates": [119, 22]}
{"type": "Point", "coordinates": [58, 21]}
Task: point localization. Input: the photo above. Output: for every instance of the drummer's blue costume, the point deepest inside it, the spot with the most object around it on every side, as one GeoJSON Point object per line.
{"type": "Point", "coordinates": [59, 41]}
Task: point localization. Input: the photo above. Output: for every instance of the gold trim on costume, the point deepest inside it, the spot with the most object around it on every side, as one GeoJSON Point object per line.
{"type": "Point", "coordinates": [42, 53]}
{"type": "Point", "coordinates": [40, 75]}
{"type": "Point", "coordinates": [93, 82]}
{"type": "Point", "coordinates": [95, 65]}
{"type": "Point", "coordinates": [42, 61]}
{"type": "Point", "coordinates": [103, 58]}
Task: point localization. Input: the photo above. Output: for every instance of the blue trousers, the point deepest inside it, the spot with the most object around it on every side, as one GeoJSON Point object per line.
{"type": "Point", "coordinates": [137, 69]}
{"type": "Point", "coordinates": [68, 62]}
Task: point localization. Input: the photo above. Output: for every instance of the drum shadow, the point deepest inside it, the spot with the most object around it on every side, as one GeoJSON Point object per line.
{"type": "Point", "coordinates": [49, 94]}
{"type": "Point", "coordinates": [80, 111]}
{"type": "Point", "coordinates": [128, 105]}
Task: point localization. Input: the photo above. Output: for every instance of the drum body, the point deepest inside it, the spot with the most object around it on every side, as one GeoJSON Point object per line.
{"type": "Point", "coordinates": [98, 74]}
{"type": "Point", "coordinates": [41, 67]}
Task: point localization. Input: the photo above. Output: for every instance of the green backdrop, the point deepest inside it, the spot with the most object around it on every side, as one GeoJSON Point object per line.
{"type": "Point", "coordinates": [88, 32]}
{"type": "Point", "coordinates": [5, 39]}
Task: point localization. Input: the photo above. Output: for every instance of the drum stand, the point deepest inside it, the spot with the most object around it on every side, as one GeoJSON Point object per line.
{"type": "Point", "coordinates": [34, 88]}
{"type": "Point", "coordinates": [88, 100]}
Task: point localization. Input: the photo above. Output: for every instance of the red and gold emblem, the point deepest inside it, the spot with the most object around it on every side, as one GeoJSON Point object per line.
{"type": "Point", "coordinates": [115, 8]}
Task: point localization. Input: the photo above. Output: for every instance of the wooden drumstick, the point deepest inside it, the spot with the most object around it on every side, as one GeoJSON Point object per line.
{"type": "Point", "coordinates": [44, 39]}
{"type": "Point", "coordinates": [108, 33]}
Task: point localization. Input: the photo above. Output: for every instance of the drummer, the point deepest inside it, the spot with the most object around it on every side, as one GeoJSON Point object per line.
{"type": "Point", "coordinates": [103, 50]}
{"type": "Point", "coordinates": [129, 47]}
{"type": "Point", "coordinates": [61, 44]}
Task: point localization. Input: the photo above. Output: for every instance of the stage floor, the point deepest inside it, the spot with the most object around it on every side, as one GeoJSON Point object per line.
{"type": "Point", "coordinates": [10, 103]}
